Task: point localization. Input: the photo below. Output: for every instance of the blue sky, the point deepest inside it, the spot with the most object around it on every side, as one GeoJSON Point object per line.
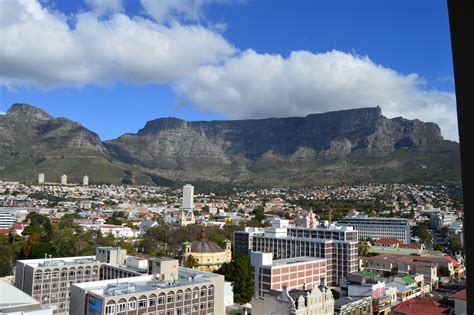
{"type": "Point", "coordinates": [113, 65]}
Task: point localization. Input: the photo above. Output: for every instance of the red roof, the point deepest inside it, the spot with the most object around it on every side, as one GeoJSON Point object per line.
{"type": "Point", "coordinates": [454, 261]}
{"type": "Point", "coordinates": [387, 240]}
{"type": "Point", "coordinates": [419, 306]}
{"type": "Point", "coordinates": [5, 231]}
{"type": "Point", "coordinates": [461, 295]}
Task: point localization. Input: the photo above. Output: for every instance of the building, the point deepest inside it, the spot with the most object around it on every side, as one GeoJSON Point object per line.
{"type": "Point", "coordinates": [85, 180]}
{"type": "Point", "coordinates": [64, 180]}
{"type": "Point", "coordinates": [170, 289]}
{"type": "Point", "coordinates": [420, 307]}
{"type": "Point", "coordinates": [376, 228]}
{"type": "Point", "coordinates": [186, 218]}
{"type": "Point", "coordinates": [459, 299]}
{"type": "Point", "coordinates": [207, 254]}
{"type": "Point", "coordinates": [188, 197]}
{"type": "Point", "coordinates": [318, 300]}
{"type": "Point", "coordinates": [49, 280]}
{"type": "Point", "coordinates": [298, 273]}
{"type": "Point", "coordinates": [7, 219]}
{"type": "Point", "coordinates": [115, 230]}
{"type": "Point", "coordinates": [41, 178]}
{"type": "Point", "coordinates": [395, 243]}
{"type": "Point", "coordinates": [353, 306]}
{"type": "Point", "coordinates": [14, 301]}
{"type": "Point", "coordinates": [336, 244]}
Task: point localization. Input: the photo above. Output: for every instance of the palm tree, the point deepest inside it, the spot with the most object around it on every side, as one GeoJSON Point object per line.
{"type": "Point", "coordinates": [190, 262]}
{"type": "Point", "coordinates": [363, 248]}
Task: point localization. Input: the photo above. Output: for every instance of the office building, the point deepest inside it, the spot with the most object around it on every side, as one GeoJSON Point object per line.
{"type": "Point", "coordinates": [170, 289]}
{"type": "Point", "coordinates": [7, 219]}
{"type": "Point", "coordinates": [376, 228]}
{"type": "Point", "coordinates": [41, 178]}
{"type": "Point", "coordinates": [318, 300]}
{"type": "Point", "coordinates": [188, 197]}
{"type": "Point", "coordinates": [336, 244]}
{"type": "Point", "coordinates": [298, 273]}
{"type": "Point", "coordinates": [49, 280]}
{"type": "Point", "coordinates": [14, 302]}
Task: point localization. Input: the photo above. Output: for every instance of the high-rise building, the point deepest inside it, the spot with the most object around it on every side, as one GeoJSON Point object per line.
{"type": "Point", "coordinates": [376, 228]}
{"type": "Point", "coordinates": [336, 244]}
{"type": "Point", "coordinates": [170, 289]}
{"type": "Point", "coordinates": [85, 180]}
{"type": "Point", "coordinates": [298, 273]}
{"type": "Point", "coordinates": [40, 178]}
{"type": "Point", "coordinates": [64, 180]}
{"type": "Point", "coordinates": [188, 197]}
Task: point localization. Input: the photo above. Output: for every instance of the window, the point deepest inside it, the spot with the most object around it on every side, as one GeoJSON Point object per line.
{"type": "Point", "coordinates": [179, 311]}
{"type": "Point", "coordinates": [203, 292]}
{"type": "Point", "coordinates": [45, 297]}
{"type": "Point", "coordinates": [110, 309]}
{"type": "Point", "coordinates": [37, 287]}
{"type": "Point", "coordinates": [54, 296]}
{"type": "Point", "coordinates": [132, 306]}
{"type": "Point", "coordinates": [169, 312]}
{"type": "Point", "coordinates": [63, 273]}
{"type": "Point", "coordinates": [170, 299]}
{"type": "Point", "coordinates": [142, 303]}
{"type": "Point", "coordinates": [45, 286]}
{"type": "Point", "coordinates": [196, 295]}
{"type": "Point", "coordinates": [161, 300]}
{"type": "Point", "coordinates": [61, 305]}
{"type": "Point", "coordinates": [121, 307]}
{"type": "Point", "coordinates": [38, 276]}
{"type": "Point", "coordinates": [55, 285]}
{"type": "Point", "coordinates": [56, 274]}
{"type": "Point", "coordinates": [47, 275]}
{"type": "Point", "coordinates": [210, 291]}
{"type": "Point", "coordinates": [202, 306]}
{"type": "Point", "coordinates": [209, 304]}
{"type": "Point", "coordinates": [152, 302]}
{"type": "Point", "coordinates": [187, 296]}
{"type": "Point", "coordinates": [87, 272]}
{"type": "Point", "coordinates": [179, 297]}
{"type": "Point", "coordinates": [63, 284]}
{"type": "Point", "coordinates": [195, 308]}
{"type": "Point", "coordinates": [187, 309]}
{"type": "Point", "coordinates": [72, 273]}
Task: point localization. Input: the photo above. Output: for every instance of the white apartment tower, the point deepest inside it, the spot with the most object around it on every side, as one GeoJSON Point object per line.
{"type": "Point", "coordinates": [41, 178]}
{"type": "Point", "coordinates": [64, 180]}
{"type": "Point", "coordinates": [85, 180]}
{"type": "Point", "coordinates": [188, 197]}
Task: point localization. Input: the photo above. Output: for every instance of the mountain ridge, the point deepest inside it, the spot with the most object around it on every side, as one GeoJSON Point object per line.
{"type": "Point", "coordinates": [334, 147]}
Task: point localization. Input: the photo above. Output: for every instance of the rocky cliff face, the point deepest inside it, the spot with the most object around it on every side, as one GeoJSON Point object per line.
{"type": "Point", "coordinates": [342, 146]}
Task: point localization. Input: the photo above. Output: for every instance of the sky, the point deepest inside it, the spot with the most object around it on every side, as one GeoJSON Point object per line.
{"type": "Point", "coordinates": [113, 65]}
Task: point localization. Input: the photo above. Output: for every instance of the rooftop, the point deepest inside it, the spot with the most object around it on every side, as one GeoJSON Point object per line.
{"type": "Point", "coordinates": [12, 297]}
{"type": "Point", "coordinates": [296, 260]}
{"type": "Point", "coordinates": [56, 262]}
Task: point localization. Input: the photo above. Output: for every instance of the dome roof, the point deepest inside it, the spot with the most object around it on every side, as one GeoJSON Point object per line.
{"type": "Point", "coordinates": [203, 245]}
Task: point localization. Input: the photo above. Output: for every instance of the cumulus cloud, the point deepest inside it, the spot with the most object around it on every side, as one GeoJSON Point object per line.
{"type": "Point", "coordinates": [106, 6]}
{"type": "Point", "coordinates": [171, 10]}
{"type": "Point", "coordinates": [39, 47]}
{"type": "Point", "coordinates": [253, 85]}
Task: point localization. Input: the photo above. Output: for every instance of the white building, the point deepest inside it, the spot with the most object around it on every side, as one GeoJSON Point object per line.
{"type": "Point", "coordinates": [7, 219]}
{"type": "Point", "coordinates": [188, 197]}
{"type": "Point", "coordinates": [64, 180]}
{"type": "Point", "coordinates": [115, 230]}
{"type": "Point", "coordinates": [13, 301]}
{"type": "Point", "coordinates": [41, 178]}
{"type": "Point", "coordinates": [85, 180]}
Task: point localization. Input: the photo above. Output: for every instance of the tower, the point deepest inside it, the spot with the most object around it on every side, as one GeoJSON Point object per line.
{"type": "Point", "coordinates": [41, 178]}
{"type": "Point", "coordinates": [85, 180]}
{"type": "Point", "coordinates": [64, 180]}
{"type": "Point", "coordinates": [188, 197]}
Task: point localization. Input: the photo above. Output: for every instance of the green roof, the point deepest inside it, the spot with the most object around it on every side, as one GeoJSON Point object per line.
{"type": "Point", "coordinates": [408, 279]}
{"type": "Point", "coordinates": [367, 273]}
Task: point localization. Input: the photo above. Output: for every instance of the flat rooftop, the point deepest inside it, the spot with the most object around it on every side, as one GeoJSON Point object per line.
{"type": "Point", "coordinates": [12, 297]}
{"type": "Point", "coordinates": [295, 260]}
{"type": "Point", "coordinates": [57, 262]}
{"type": "Point", "coordinates": [118, 287]}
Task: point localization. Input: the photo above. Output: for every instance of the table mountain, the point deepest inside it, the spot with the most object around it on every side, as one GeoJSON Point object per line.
{"type": "Point", "coordinates": [336, 147]}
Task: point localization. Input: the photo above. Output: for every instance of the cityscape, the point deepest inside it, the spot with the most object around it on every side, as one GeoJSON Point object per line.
{"type": "Point", "coordinates": [233, 157]}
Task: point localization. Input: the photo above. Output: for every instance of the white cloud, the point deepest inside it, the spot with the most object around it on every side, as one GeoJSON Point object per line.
{"type": "Point", "coordinates": [253, 85]}
{"type": "Point", "coordinates": [40, 48]}
{"type": "Point", "coordinates": [106, 6]}
{"type": "Point", "coordinates": [171, 10]}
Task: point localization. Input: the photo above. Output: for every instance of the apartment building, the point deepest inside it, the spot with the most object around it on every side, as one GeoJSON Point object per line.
{"type": "Point", "coordinates": [49, 280]}
{"type": "Point", "coordinates": [169, 290]}
{"type": "Point", "coordinates": [298, 273]}
{"type": "Point", "coordinates": [336, 244]}
{"type": "Point", "coordinates": [376, 228]}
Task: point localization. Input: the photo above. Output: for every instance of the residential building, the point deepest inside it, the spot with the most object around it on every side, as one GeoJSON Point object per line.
{"type": "Point", "coordinates": [169, 290]}
{"type": "Point", "coordinates": [318, 300]}
{"type": "Point", "coordinates": [298, 273]}
{"type": "Point", "coordinates": [376, 228]}
{"type": "Point", "coordinates": [336, 244]}
{"type": "Point", "coordinates": [420, 307]}
{"type": "Point", "coordinates": [115, 230]}
{"type": "Point", "coordinates": [459, 299]}
{"type": "Point", "coordinates": [188, 197]}
{"type": "Point", "coordinates": [207, 254]}
{"type": "Point", "coordinates": [353, 306]}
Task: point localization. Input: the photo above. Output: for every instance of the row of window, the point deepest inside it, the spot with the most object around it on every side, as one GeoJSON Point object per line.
{"type": "Point", "coordinates": [131, 306]}
{"type": "Point", "coordinates": [70, 273]}
{"type": "Point", "coordinates": [55, 285]}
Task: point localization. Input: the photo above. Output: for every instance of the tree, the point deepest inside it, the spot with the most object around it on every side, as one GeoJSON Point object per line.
{"type": "Point", "coordinates": [240, 272]}
{"type": "Point", "coordinates": [259, 214]}
{"type": "Point", "coordinates": [190, 262]}
{"type": "Point", "coordinates": [363, 249]}
{"type": "Point", "coordinates": [113, 220]}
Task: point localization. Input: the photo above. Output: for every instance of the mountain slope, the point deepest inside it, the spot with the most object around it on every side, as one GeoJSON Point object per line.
{"type": "Point", "coordinates": [336, 147]}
